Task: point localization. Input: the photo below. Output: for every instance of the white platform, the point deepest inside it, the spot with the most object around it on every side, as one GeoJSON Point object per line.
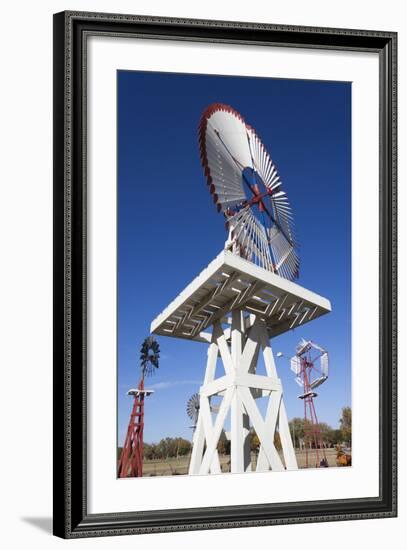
{"type": "Point", "coordinates": [229, 283]}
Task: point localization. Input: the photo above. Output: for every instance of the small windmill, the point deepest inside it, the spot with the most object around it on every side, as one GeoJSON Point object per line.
{"type": "Point", "coordinates": [193, 406]}
{"type": "Point", "coordinates": [310, 366]}
{"type": "Point", "coordinates": [193, 409]}
{"type": "Point", "coordinates": [131, 459]}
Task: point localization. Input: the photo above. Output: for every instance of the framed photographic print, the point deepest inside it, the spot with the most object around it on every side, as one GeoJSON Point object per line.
{"type": "Point", "coordinates": [224, 274]}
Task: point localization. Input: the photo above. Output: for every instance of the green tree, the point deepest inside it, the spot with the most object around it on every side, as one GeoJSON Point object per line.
{"type": "Point", "coordinates": [163, 447]}
{"type": "Point", "coordinates": [147, 451]}
{"type": "Point", "coordinates": [183, 446]}
{"type": "Point", "coordinates": [298, 432]}
{"type": "Point", "coordinates": [327, 433]}
{"type": "Point", "coordinates": [337, 437]}
{"type": "Point", "coordinates": [345, 423]}
{"type": "Point", "coordinates": [168, 447]}
{"type": "Point", "coordinates": [296, 426]}
{"type": "Point", "coordinates": [154, 451]}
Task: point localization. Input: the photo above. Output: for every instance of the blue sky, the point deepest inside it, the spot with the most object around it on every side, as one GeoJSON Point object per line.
{"type": "Point", "coordinates": [169, 230]}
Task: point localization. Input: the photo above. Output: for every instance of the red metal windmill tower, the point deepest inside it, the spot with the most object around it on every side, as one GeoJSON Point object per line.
{"type": "Point", "coordinates": [131, 459]}
{"type": "Point", "coordinates": [310, 364]}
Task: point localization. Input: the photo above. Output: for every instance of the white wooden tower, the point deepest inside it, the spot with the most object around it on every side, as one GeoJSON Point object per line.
{"type": "Point", "coordinates": [237, 307]}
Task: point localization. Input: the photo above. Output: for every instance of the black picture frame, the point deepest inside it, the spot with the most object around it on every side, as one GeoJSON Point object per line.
{"type": "Point", "coordinates": [71, 519]}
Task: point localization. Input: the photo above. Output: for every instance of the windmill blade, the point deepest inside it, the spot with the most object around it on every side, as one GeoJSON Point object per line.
{"type": "Point", "coordinates": [149, 356]}
{"type": "Point", "coordinates": [324, 364]}
{"type": "Point", "coordinates": [262, 161]}
{"type": "Point", "coordinates": [317, 382]}
{"type": "Point", "coordinates": [244, 183]}
{"type": "Point", "coordinates": [299, 381]}
{"type": "Point", "coordinates": [251, 236]}
{"type": "Point", "coordinates": [316, 346]}
{"type": "Point", "coordinates": [224, 153]}
{"type": "Point", "coordinates": [295, 365]}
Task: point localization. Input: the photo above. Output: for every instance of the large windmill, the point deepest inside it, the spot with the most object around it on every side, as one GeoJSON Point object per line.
{"type": "Point", "coordinates": [242, 299]}
{"type": "Point", "coordinates": [131, 459]}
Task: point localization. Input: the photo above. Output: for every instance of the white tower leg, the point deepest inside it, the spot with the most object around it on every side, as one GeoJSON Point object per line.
{"type": "Point", "coordinates": [240, 459]}
{"type": "Point", "coordinates": [204, 424]}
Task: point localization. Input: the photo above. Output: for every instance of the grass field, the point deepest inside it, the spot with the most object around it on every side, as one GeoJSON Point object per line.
{"type": "Point", "coordinates": [179, 466]}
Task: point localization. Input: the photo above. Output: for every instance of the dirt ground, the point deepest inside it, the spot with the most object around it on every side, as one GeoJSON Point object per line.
{"type": "Point", "coordinates": [179, 466]}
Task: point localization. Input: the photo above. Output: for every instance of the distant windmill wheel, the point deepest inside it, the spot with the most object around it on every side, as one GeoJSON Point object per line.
{"type": "Point", "coordinates": [310, 364]}
{"type": "Point", "coordinates": [246, 187]}
{"type": "Point", "coordinates": [149, 356]}
{"type": "Point", "coordinates": [193, 408]}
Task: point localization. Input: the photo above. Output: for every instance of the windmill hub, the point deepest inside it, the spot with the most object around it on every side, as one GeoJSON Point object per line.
{"type": "Point", "coordinates": [257, 188]}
